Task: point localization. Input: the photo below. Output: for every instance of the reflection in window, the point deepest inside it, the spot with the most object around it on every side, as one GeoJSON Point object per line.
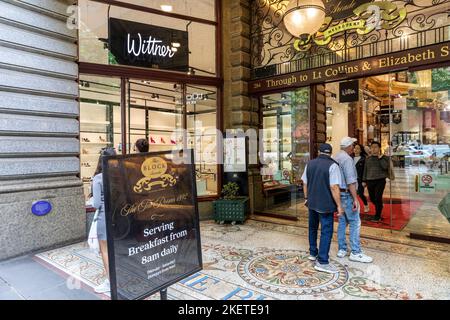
{"type": "Point", "coordinates": [201, 104]}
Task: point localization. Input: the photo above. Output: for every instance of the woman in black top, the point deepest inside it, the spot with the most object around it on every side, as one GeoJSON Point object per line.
{"type": "Point", "coordinates": [360, 163]}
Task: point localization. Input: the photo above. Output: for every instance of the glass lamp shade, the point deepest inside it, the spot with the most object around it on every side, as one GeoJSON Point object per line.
{"type": "Point", "coordinates": [304, 17]}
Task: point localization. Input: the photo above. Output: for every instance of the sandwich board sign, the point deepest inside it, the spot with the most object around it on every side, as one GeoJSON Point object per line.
{"type": "Point", "coordinates": [152, 222]}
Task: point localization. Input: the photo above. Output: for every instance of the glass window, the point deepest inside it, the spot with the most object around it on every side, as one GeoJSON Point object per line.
{"type": "Point", "coordinates": [100, 122]}
{"type": "Point", "coordinates": [204, 9]}
{"type": "Point", "coordinates": [155, 110]}
{"type": "Point", "coordinates": [407, 113]}
{"type": "Point", "coordinates": [286, 143]}
{"type": "Point", "coordinates": [201, 104]}
{"type": "Point", "coordinates": [94, 35]}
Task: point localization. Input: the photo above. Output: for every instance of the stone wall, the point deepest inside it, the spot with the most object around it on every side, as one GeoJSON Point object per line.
{"type": "Point", "coordinates": [39, 127]}
{"type": "Point", "coordinates": [240, 111]}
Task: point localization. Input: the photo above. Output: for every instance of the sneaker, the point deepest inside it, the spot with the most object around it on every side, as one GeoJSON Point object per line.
{"type": "Point", "coordinates": [342, 253]}
{"type": "Point", "coordinates": [366, 209]}
{"type": "Point", "coordinates": [105, 287]}
{"type": "Point", "coordinates": [312, 258]}
{"type": "Point", "coordinates": [361, 257]}
{"type": "Point", "coordinates": [327, 268]}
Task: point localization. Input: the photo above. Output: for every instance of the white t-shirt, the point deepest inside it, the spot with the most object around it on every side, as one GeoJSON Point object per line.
{"type": "Point", "coordinates": [335, 175]}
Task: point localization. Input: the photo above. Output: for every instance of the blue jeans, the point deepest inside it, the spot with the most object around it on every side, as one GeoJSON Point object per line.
{"type": "Point", "coordinates": [326, 221]}
{"type": "Point", "coordinates": [354, 220]}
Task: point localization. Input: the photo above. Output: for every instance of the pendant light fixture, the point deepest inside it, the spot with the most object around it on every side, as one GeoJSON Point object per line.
{"type": "Point", "coordinates": [304, 17]}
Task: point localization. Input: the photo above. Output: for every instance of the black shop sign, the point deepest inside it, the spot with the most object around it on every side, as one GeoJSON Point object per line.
{"type": "Point", "coordinates": [349, 91]}
{"type": "Point", "coordinates": [143, 45]}
{"type": "Point", "coordinates": [152, 222]}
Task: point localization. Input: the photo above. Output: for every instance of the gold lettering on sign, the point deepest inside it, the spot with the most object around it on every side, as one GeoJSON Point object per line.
{"type": "Point", "coordinates": [444, 51]}
{"type": "Point", "coordinates": [155, 174]}
{"type": "Point", "coordinates": [410, 58]}
{"type": "Point", "coordinates": [282, 82]}
{"type": "Point", "coordinates": [342, 7]}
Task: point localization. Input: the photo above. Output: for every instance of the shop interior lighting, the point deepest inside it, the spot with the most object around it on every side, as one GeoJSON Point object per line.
{"type": "Point", "coordinates": [166, 8]}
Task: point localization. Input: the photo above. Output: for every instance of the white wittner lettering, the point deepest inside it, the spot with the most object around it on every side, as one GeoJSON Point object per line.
{"type": "Point", "coordinates": [152, 47]}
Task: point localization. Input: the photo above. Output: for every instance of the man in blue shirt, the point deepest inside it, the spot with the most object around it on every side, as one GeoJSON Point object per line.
{"type": "Point", "coordinates": [321, 181]}
{"type": "Point", "coordinates": [350, 202]}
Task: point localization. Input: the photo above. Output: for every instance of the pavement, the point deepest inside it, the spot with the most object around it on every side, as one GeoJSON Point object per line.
{"type": "Point", "coordinates": [254, 261]}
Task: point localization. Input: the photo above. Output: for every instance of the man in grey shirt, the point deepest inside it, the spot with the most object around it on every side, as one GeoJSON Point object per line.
{"type": "Point", "coordinates": [350, 203]}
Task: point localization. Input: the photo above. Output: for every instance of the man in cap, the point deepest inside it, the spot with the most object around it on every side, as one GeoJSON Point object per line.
{"type": "Point", "coordinates": [321, 180]}
{"type": "Point", "coordinates": [350, 202]}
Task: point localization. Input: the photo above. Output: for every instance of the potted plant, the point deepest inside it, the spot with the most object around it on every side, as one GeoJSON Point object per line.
{"type": "Point", "coordinates": [231, 207]}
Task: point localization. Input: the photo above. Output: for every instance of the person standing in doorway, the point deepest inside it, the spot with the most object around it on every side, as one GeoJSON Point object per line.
{"type": "Point", "coordinates": [360, 163]}
{"type": "Point", "coordinates": [99, 204]}
{"type": "Point", "coordinates": [321, 180]}
{"type": "Point", "coordinates": [350, 202]}
{"type": "Point", "coordinates": [375, 174]}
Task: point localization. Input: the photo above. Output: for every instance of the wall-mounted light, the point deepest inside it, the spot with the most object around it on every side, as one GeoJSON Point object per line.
{"type": "Point", "coordinates": [191, 71]}
{"type": "Point", "coordinates": [304, 17]}
{"type": "Point", "coordinates": [166, 8]}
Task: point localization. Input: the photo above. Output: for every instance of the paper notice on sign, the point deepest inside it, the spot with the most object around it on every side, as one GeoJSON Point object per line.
{"type": "Point", "coordinates": [235, 155]}
{"type": "Point", "coordinates": [400, 104]}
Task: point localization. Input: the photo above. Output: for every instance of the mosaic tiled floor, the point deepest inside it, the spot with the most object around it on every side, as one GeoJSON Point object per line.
{"type": "Point", "coordinates": [259, 261]}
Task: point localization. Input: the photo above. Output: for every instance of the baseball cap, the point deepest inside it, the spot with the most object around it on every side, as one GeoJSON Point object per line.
{"type": "Point", "coordinates": [347, 142]}
{"type": "Point", "coordinates": [326, 148]}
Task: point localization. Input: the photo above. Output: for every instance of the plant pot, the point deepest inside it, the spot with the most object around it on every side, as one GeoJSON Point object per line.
{"type": "Point", "coordinates": [235, 210]}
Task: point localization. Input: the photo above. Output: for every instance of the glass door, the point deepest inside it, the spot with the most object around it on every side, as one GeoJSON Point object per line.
{"type": "Point", "coordinates": [420, 136]}
{"type": "Point", "coordinates": [155, 112]}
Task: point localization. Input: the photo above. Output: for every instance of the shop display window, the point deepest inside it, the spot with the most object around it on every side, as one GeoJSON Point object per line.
{"type": "Point", "coordinates": [286, 143]}
{"type": "Point", "coordinates": [170, 116]}
{"type": "Point", "coordinates": [201, 104]}
{"type": "Point", "coordinates": [99, 122]}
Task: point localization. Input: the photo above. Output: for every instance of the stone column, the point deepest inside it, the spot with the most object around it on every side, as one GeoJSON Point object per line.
{"type": "Point", "coordinates": [318, 116]}
{"type": "Point", "coordinates": [240, 111]}
{"type": "Point", "coordinates": [39, 127]}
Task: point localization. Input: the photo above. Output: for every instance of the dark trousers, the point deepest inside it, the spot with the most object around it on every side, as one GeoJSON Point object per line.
{"type": "Point", "coordinates": [326, 220]}
{"type": "Point", "coordinates": [376, 191]}
{"type": "Point", "coordinates": [361, 192]}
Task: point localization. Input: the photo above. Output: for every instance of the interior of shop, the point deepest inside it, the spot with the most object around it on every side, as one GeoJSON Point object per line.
{"type": "Point", "coordinates": [408, 113]}
{"type": "Point", "coordinates": [163, 113]}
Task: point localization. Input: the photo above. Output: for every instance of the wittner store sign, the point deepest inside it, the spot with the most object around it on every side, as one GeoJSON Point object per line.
{"type": "Point", "coordinates": [359, 68]}
{"type": "Point", "coordinates": [143, 45]}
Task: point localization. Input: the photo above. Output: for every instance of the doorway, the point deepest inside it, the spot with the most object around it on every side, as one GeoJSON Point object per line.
{"type": "Point", "coordinates": [408, 114]}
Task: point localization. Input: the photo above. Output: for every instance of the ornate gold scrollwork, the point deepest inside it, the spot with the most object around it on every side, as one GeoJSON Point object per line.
{"type": "Point", "coordinates": [147, 184]}
{"type": "Point", "coordinates": [385, 15]}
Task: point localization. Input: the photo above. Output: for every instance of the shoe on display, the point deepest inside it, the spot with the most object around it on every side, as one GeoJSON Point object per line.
{"type": "Point", "coordinates": [312, 258]}
{"type": "Point", "coordinates": [163, 141]}
{"type": "Point", "coordinates": [105, 287]}
{"type": "Point", "coordinates": [361, 257]}
{"type": "Point", "coordinates": [366, 209]}
{"type": "Point", "coordinates": [172, 142]}
{"type": "Point", "coordinates": [152, 140]}
{"type": "Point", "coordinates": [342, 253]}
{"type": "Point", "coordinates": [327, 268]}
{"type": "Point", "coordinates": [101, 139]}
